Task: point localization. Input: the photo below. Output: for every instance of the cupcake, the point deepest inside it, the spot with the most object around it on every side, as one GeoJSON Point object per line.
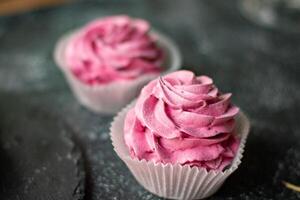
{"type": "Point", "coordinates": [182, 137]}
{"type": "Point", "coordinates": [107, 62]}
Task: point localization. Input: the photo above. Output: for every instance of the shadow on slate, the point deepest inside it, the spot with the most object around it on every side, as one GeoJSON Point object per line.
{"type": "Point", "coordinates": [266, 163]}
{"type": "Point", "coordinates": [39, 159]}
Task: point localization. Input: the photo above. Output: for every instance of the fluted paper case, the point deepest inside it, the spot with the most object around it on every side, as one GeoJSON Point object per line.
{"type": "Point", "coordinates": [176, 181]}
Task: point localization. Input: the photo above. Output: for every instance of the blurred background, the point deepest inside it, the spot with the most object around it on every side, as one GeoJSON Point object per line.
{"type": "Point", "coordinates": [51, 147]}
{"type": "Point", "coordinates": [11, 7]}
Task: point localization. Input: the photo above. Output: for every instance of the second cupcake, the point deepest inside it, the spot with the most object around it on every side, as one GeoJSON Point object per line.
{"type": "Point", "coordinates": [108, 61]}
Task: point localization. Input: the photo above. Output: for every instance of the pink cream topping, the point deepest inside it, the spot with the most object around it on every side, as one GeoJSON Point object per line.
{"type": "Point", "coordinates": [113, 48]}
{"type": "Point", "coordinates": [181, 118]}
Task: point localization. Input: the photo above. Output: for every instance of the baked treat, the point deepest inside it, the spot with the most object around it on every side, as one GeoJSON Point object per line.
{"type": "Point", "coordinates": [181, 123]}
{"type": "Point", "coordinates": [107, 61]}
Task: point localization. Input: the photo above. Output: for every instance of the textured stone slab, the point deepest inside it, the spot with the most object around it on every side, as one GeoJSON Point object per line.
{"type": "Point", "coordinates": [39, 159]}
{"type": "Point", "coordinates": [259, 66]}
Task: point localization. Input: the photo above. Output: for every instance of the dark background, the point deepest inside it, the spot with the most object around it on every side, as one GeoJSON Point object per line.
{"type": "Point", "coordinates": [259, 66]}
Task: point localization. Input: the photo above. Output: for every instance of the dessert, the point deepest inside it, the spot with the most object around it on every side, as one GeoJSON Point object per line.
{"type": "Point", "coordinates": [182, 137]}
{"type": "Point", "coordinates": [108, 61]}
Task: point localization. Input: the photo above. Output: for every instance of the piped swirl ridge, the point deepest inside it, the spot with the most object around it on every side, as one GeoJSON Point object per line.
{"type": "Point", "coordinates": [181, 118]}
{"type": "Point", "coordinates": [113, 48]}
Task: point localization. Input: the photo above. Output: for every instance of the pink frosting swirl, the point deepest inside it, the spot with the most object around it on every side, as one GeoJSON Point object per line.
{"type": "Point", "coordinates": [181, 118]}
{"type": "Point", "coordinates": [113, 48]}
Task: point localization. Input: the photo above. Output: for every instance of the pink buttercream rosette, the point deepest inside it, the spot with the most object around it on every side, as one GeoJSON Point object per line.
{"type": "Point", "coordinates": [108, 61]}
{"type": "Point", "coordinates": [182, 138]}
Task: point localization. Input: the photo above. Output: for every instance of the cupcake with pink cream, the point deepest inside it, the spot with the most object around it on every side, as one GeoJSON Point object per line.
{"type": "Point", "coordinates": [182, 137]}
{"type": "Point", "coordinates": [107, 61]}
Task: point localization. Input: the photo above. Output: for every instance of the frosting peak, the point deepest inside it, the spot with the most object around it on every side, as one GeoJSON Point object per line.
{"type": "Point", "coordinates": [113, 48]}
{"type": "Point", "coordinates": [181, 118]}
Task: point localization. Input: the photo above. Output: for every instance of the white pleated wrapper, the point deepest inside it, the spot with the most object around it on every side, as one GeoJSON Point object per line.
{"type": "Point", "coordinates": [175, 181]}
{"type": "Point", "coordinates": [112, 97]}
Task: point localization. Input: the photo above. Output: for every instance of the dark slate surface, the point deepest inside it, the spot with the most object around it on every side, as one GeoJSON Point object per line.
{"type": "Point", "coordinates": [39, 159]}
{"type": "Point", "coordinates": [259, 66]}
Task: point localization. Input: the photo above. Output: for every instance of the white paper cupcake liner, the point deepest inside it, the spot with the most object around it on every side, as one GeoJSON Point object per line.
{"type": "Point", "coordinates": [110, 98]}
{"type": "Point", "coordinates": [176, 181]}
